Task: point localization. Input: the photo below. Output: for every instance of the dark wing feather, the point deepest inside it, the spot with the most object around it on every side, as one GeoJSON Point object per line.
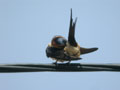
{"type": "Point", "coordinates": [71, 35]}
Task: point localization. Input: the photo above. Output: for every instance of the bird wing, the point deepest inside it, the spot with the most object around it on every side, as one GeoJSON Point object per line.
{"type": "Point", "coordinates": [71, 35]}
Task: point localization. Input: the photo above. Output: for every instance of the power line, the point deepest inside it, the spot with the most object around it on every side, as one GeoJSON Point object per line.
{"type": "Point", "coordinates": [72, 67]}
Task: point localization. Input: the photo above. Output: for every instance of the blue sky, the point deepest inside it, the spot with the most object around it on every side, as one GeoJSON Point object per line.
{"type": "Point", "coordinates": [27, 26]}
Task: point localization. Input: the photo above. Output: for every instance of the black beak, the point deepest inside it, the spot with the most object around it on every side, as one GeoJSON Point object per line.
{"type": "Point", "coordinates": [71, 36]}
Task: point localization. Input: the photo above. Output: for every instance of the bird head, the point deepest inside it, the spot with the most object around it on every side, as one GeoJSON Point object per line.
{"type": "Point", "coordinates": [58, 42]}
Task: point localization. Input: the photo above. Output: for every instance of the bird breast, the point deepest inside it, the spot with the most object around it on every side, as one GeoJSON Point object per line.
{"type": "Point", "coordinates": [72, 51]}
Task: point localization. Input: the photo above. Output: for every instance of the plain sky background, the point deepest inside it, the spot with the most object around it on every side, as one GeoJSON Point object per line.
{"type": "Point", "coordinates": [27, 26]}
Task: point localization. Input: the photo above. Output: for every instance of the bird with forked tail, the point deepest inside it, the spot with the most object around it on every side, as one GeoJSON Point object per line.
{"type": "Point", "coordinates": [61, 49]}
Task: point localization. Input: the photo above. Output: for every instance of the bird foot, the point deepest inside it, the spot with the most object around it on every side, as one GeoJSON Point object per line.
{"type": "Point", "coordinates": [68, 63]}
{"type": "Point", "coordinates": [55, 63]}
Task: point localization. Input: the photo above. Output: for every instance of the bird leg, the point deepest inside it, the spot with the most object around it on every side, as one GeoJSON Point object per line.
{"type": "Point", "coordinates": [55, 62]}
{"type": "Point", "coordinates": [68, 62]}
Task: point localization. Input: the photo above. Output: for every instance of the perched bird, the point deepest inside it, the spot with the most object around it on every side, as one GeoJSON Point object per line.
{"type": "Point", "coordinates": [61, 49]}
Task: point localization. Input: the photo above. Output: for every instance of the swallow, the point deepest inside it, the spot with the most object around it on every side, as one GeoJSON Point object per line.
{"type": "Point", "coordinates": [61, 49]}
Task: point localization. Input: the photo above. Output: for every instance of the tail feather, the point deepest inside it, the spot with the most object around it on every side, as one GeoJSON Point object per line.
{"type": "Point", "coordinates": [87, 50]}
